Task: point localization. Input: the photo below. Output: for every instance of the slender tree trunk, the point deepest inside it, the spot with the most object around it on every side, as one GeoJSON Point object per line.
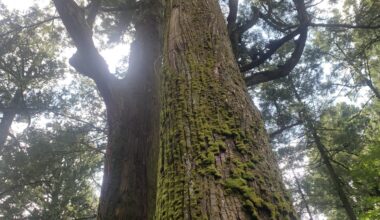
{"type": "Point", "coordinates": [373, 88]}
{"type": "Point", "coordinates": [215, 161]}
{"type": "Point", "coordinates": [334, 176]}
{"type": "Point", "coordinates": [303, 196]}
{"type": "Point", "coordinates": [309, 123]}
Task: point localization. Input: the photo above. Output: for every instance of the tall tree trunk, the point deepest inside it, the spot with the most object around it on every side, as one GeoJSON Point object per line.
{"type": "Point", "coordinates": [303, 196]}
{"type": "Point", "coordinates": [215, 161]}
{"type": "Point", "coordinates": [129, 182]}
{"type": "Point", "coordinates": [333, 175]}
{"type": "Point", "coordinates": [309, 123]}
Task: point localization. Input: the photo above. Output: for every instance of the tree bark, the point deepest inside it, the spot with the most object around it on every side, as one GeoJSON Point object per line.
{"type": "Point", "coordinates": [129, 182]}
{"type": "Point", "coordinates": [215, 161]}
{"type": "Point", "coordinates": [132, 103]}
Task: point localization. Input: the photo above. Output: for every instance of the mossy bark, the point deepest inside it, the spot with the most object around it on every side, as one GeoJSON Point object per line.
{"type": "Point", "coordinates": [215, 161]}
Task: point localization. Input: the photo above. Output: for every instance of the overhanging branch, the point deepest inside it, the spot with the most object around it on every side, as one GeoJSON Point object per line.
{"type": "Point", "coordinates": [283, 70]}
{"type": "Point", "coordinates": [272, 48]}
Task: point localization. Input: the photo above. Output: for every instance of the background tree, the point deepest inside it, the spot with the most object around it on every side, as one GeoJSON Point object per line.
{"type": "Point", "coordinates": [49, 175]}
{"type": "Point", "coordinates": [28, 61]}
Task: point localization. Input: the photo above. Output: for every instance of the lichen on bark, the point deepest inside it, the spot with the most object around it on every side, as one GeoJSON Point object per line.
{"type": "Point", "coordinates": [215, 161]}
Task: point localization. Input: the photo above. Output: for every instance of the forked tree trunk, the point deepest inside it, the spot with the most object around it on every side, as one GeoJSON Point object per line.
{"type": "Point", "coordinates": [129, 182]}
{"type": "Point", "coordinates": [215, 161]}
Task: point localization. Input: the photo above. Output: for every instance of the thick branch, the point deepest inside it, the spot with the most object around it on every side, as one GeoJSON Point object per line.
{"type": "Point", "coordinates": [87, 59]}
{"type": "Point", "coordinates": [283, 70]}
{"type": "Point", "coordinates": [273, 47]}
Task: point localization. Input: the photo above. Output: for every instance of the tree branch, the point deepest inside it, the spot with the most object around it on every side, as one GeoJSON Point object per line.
{"type": "Point", "coordinates": [289, 65]}
{"type": "Point", "coordinates": [283, 70]}
{"type": "Point", "coordinates": [94, 8]}
{"type": "Point", "coordinates": [279, 131]}
{"type": "Point", "coordinates": [34, 25]}
{"type": "Point", "coordinates": [273, 46]}
{"type": "Point", "coordinates": [87, 59]}
{"type": "Point", "coordinates": [336, 25]}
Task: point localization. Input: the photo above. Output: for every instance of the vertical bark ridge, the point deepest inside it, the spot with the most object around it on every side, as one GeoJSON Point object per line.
{"type": "Point", "coordinates": [215, 160]}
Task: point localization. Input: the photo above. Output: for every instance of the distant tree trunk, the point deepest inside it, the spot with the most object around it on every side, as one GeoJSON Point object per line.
{"type": "Point", "coordinates": [215, 160]}
{"type": "Point", "coordinates": [334, 177]}
{"type": "Point", "coordinates": [303, 196]}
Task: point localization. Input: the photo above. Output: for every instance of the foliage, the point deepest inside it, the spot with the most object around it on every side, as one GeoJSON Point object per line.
{"type": "Point", "coordinates": [48, 175]}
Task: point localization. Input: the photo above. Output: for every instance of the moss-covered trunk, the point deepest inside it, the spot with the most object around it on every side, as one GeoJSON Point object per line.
{"type": "Point", "coordinates": [215, 161]}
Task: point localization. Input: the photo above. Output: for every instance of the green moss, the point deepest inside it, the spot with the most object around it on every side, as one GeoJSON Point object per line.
{"type": "Point", "coordinates": [241, 147]}
{"type": "Point", "coordinates": [251, 200]}
{"type": "Point", "coordinates": [250, 164]}
{"type": "Point", "coordinates": [211, 170]}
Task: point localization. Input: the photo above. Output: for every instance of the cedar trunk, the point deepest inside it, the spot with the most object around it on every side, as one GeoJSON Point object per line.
{"type": "Point", "coordinates": [209, 156]}
{"type": "Point", "coordinates": [215, 161]}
